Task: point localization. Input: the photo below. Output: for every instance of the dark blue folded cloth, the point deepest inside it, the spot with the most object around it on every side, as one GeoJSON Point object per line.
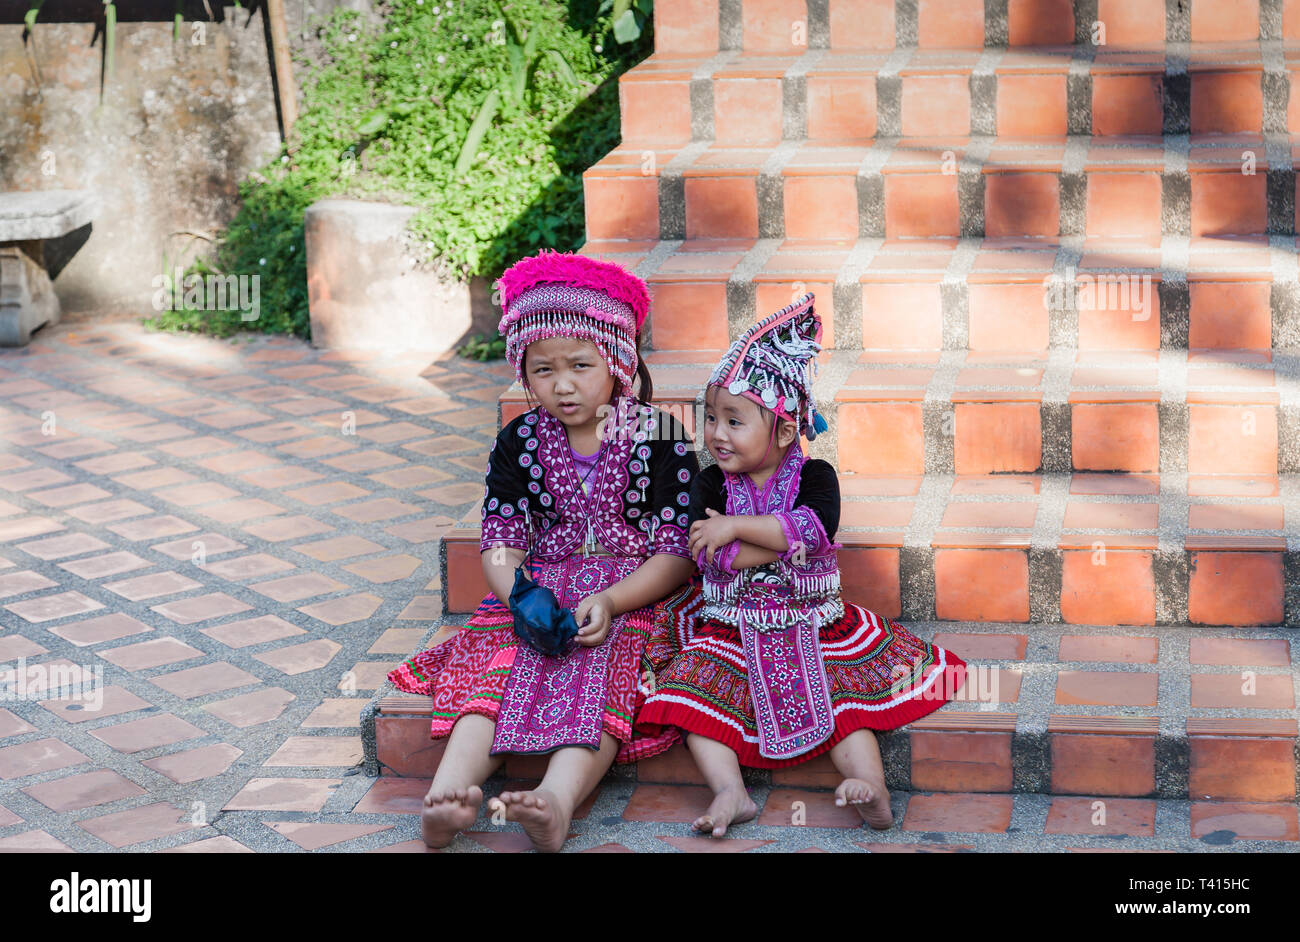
{"type": "Point", "coordinates": [540, 621]}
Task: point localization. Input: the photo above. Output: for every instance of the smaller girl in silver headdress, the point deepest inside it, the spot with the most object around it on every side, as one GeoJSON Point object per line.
{"type": "Point", "coordinates": [765, 665]}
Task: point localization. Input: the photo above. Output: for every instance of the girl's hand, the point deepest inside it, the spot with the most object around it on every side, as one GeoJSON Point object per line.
{"type": "Point", "coordinates": [712, 534]}
{"type": "Point", "coordinates": [598, 613]}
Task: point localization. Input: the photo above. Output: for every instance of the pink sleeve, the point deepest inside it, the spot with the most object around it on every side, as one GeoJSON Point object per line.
{"type": "Point", "coordinates": [803, 528]}
{"type": "Point", "coordinates": [722, 559]}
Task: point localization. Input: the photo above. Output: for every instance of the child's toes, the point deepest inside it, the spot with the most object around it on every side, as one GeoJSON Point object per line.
{"type": "Point", "coordinates": [852, 792]}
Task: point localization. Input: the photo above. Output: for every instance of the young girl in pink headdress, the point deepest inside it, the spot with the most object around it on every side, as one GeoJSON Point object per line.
{"type": "Point", "coordinates": [593, 486]}
{"type": "Point", "coordinates": [764, 664]}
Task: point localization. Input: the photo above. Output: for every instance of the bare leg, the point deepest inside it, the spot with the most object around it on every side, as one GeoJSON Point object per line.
{"type": "Point", "coordinates": [545, 812]}
{"type": "Point", "coordinates": [454, 797]}
{"type": "Point", "coordinates": [731, 802]}
{"type": "Point", "coordinates": [857, 758]}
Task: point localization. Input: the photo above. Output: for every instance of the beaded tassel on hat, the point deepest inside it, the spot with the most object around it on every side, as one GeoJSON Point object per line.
{"type": "Point", "coordinates": [768, 364]}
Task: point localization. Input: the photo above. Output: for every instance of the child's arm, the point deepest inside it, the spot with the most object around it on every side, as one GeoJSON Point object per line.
{"type": "Point", "coordinates": [499, 564]}
{"type": "Point", "coordinates": [746, 541]}
{"type": "Point", "coordinates": [762, 531]}
{"type": "Point", "coordinates": [810, 524]}
{"type": "Point", "coordinates": [720, 533]}
{"type": "Point", "coordinates": [649, 582]}
{"type": "Point", "coordinates": [750, 555]}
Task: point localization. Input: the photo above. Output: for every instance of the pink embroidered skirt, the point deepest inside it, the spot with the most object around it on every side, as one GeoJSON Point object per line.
{"type": "Point", "coordinates": [469, 672]}
{"type": "Point", "coordinates": [881, 677]}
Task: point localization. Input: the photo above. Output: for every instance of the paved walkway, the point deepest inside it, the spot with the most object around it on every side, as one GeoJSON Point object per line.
{"type": "Point", "coordinates": [243, 538]}
{"type": "Point", "coordinates": [234, 542]}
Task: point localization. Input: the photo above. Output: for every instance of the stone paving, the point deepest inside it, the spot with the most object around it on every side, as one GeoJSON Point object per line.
{"type": "Point", "coordinates": [237, 541]}
{"type": "Point", "coordinates": [234, 542]}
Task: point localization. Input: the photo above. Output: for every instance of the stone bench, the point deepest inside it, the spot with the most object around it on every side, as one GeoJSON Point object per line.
{"type": "Point", "coordinates": [27, 220]}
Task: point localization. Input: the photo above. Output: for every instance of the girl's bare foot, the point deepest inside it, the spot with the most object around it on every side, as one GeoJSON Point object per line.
{"type": "Point", "coordinates": [448, 812]}
{"type": "Point", "coordinates": [539, 813]}
{"type": "Point", "coordinates": [873, 805]}
{"type": "Point", "coordinates": [730, 806]}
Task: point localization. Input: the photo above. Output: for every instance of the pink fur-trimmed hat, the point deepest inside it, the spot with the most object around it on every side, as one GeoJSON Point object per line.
{"type": "Point", "coordinates": [554, 294]}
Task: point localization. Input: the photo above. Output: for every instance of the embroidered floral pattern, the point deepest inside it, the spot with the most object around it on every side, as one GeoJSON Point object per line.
{"type": "Point", "coordinates": [803, 528]}
{"type": "Point", "coordinates": [619, 509]}
{"type": "Point", "coordinates": [804, 581]}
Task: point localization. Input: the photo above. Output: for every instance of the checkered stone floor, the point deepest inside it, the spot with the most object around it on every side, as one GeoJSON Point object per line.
{"type": "Point", "coordinates": [234, 542]}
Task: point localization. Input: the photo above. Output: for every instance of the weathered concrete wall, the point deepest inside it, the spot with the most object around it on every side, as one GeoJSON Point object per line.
{"type": "Point", "coordinates": [178, 127]}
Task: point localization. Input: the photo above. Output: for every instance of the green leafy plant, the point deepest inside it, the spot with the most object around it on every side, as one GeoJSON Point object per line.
{"type": "Point", "coordinates": [110, 37]}
{"type": "Point", "coordinates": [29, 18]}
{"type": "Point", "coordinates": [486, 112]}
{"type": "Point", "coordinates": [628, 17]}
{"type": "Point", "coordinates": [481, 114]}
{"type": "Point", "coordinates": [29, 40]}
{"type": "Point", "coordinates": [480, 347]}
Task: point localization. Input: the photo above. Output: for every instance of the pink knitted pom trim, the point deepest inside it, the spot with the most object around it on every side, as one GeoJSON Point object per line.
{"type": "Point", "coordinates": [616, 319]}
{"type": "Point", "coordinates": [551, 267]}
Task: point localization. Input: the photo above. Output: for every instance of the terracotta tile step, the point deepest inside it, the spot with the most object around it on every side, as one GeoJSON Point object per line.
{"type": "Point", "coordinates": [983, 294]}
{"type": "Point", "coordinates": [841, 96]}
{"type": "Point", "coordinates": [955, 750]}
{"type": "Point", "coordinates": [946, 186]}
{"type": "Point", "coordinates": [789, 26]}
{"type": "Point", "coordinates": [1035, 416]}
{"type": "Point", "coordinates": [979, 412]}
{"type": "Point", "coordinates": [1051, 548]}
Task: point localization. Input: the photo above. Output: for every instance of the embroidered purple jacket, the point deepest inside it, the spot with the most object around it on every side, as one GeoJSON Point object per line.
{"type": "Point", "coordinates": [640, 490]}
{"type": "Point", "coordinates": [803, 494]}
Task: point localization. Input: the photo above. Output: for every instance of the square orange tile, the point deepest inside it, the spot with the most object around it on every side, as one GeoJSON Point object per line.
{"type": "Point", "coordinates": [1031, 105]}
{"type": "Point", "coordinates": [1129, 817]}
{"type": "Point", "coordinates": [950, 24]}
{"type": "Point", "coordinates": [1118, 649]}
{"type": "Point", "coordinates": [936, 106]}
{"type": "Point", "coordinates": [963, 813]}
{"type": "Point", "coordinates": [1235, 589]}
{"type": "Point", "coordinates": [841, 108]}
{"type": "Point", "coordinates": [1246, 689]}
{"type": "Point", "coordinates": [1245, 769]}
{"type": "Point", "coordinates": [1106, 688]}
{"type": "Point", "coordinates": [981, 585]}
{"type": "Point", "coordinates": [1265, 821]}
{"type": "Point", "coordinates": [1127, 104]}
{"type": "Point", "coordinates": [1085, 764]}
{"type": "Point", "coordinates": [920, 205]}
{"type": "Point", "coordinates": [961, 762]}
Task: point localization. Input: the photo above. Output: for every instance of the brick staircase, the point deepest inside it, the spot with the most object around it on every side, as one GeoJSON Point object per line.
{"type": "Point", "coordinates": [1053, 243]}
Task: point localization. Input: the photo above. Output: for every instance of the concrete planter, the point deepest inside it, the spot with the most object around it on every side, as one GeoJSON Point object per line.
{"type": "Point", "coordinates": [364, 292]}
